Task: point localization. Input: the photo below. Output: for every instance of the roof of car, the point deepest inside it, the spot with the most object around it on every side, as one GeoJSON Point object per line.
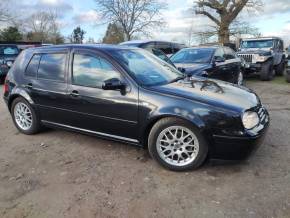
{"type": "Point", "coordinates": [146, 41]}
{"type": "Point", "coordinates": [96, 46]}
{"type": "Point", "coordinates": [262, 38]}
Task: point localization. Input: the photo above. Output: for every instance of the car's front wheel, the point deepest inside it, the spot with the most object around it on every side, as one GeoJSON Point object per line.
{"type": "Point", "coordinates": [24, 116]}
{"type": "Point", "coordinates": [267, 71]}
{"type": "Point", "coordinates": [280, 68]}
{"type": "Point", "coordinates": [240, 79]}
{"type": "Point", "coordinates": [177, 144]}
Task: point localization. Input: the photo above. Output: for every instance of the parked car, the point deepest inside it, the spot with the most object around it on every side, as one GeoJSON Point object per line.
{"type": "Point", "coordinates": [8, 53]}
{"type": "Point", "coordinates": [215, 62]}
{"type": "Point", "coordinates": [264, 56]}
{"type": "Point", "coordinates": [288, 70]}
{"type": "Point", "coordinates": [129, 95]}
{"type": "Point", "coordinates": [169, 48]}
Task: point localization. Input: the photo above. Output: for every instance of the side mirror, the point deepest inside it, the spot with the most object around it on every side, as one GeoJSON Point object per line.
{"type": "Point", "coordinates": [113, 84]}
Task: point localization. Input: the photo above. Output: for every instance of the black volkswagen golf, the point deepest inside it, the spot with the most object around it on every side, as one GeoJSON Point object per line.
{"type": "Point", "coordinates": [216, 62]}
{"type": "Point", "coordinates": [129, 95]}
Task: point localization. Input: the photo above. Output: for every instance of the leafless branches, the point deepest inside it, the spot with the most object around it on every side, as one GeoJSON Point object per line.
{"type": "Point", "coordinates": [134, 16]}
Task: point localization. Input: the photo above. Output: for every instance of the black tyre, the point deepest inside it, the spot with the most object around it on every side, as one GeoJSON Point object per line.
{"type": "Point", "coordinates": [24, 117]}
{"type": "Point", "coordinates": [288, 77]}
{"type": "Point", "coordinates": [280, 68]}
{"type": "Point", "coordinates": [177, 145]}
{"type": "Point", "coordinates": [267, 71]}
{"type": "Point", "coordinates": [2, 80]}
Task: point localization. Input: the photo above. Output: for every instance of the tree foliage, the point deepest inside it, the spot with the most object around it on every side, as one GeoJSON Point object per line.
{"type": "Point", "coordinates": [78, 35]}
{"type": "Point", "coordinates": [114, 34]}
{"type": "Point", "coordinates": [223, 13]}
{"type": "Point", "coordinates": [10, 34]}
{"type": "Point", "coordinates": [134, 16]}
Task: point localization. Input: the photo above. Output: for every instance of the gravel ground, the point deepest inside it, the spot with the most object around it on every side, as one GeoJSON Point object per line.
{"type": "Point", "coordinates": [63, 174]}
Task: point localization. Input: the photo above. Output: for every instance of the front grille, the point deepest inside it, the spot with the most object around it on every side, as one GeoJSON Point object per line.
{"type": "Point", "coordinates": [247, 57]}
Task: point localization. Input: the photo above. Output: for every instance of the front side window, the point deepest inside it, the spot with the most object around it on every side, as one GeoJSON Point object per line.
{"type": "Point", "coordinates": [196, 55]}
{"type": "Point", "coordinates": [52, 67]}
{"type": "Point", "coordinates": [145, 67]}
{"type": "Point", "coordinates": [229, 54]}
{"type": "Point", "coordinates": [92, 71]}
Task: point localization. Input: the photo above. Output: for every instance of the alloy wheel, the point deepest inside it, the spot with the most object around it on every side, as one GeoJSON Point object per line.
{"type": "Point", "coordinates": [23, 116]}
{"type": "Point", "coordinates": [177, 146]}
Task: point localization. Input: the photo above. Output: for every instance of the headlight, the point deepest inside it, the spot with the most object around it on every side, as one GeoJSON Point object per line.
{"type": "Point", "coordinates": [260, 58]}
{"type": "Point", "coordinates": [250, 119]}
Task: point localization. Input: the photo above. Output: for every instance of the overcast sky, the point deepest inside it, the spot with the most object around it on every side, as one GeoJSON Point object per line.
{"type": "Point", "coordinates": [273, 20]}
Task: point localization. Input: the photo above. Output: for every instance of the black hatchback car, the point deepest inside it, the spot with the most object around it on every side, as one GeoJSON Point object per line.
{"type": "Point", "coordinates": [130, 95]}
{"type": "Point", "coordinates": [215, 62]}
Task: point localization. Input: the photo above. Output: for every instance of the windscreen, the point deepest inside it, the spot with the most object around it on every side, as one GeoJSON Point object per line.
{"type": "Point", "coordinates": [257, 44]}
{"type": "Point", "coordinates": [145, 67]}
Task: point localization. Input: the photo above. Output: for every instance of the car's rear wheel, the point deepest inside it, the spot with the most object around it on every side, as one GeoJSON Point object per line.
{"type": "Point", "coordinates": [267, 71]}
{"type": "Point", "coordinates": [288, 77]}
{"type": "Point", "coordinates": [177, 145]}
{"type": "Point", "coordinates": [24, 117]}
{"type": "Point", "coordinates": [280, 68]}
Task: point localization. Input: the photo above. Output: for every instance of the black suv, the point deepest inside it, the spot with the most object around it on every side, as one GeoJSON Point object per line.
{"type": "Point", "coordinates": [264, 56]}
{"type": "Point", "coordinates": [129, 95]}
{"type": "Point", "coordinates": [216, 62]}
{"type": "Point", "coordinates": [288, 70]}
{"type": "Point", "coordinates": [8, 53]}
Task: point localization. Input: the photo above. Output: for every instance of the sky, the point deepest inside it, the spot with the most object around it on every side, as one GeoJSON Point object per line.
{"type": "Point", "coordinates": [272, 20]}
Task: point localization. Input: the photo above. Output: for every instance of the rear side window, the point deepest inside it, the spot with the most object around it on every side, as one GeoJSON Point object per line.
{"type": "Point", "coordinates": [32, 67]}
{"type": "Point", "coordinates": [92, 71]}
{"type": "Point", "coordinates": [52, 66]}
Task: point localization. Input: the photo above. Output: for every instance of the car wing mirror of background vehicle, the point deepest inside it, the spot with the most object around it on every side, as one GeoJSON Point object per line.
{"type": "Point", "coordinates": [114, 84]}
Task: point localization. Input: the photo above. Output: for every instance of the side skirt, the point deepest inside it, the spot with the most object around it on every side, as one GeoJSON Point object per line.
{"type": "Point", "coordinates": [92, 133]}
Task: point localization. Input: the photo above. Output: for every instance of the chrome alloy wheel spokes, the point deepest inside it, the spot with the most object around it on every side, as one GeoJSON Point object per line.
{"type": "Point", "coordinates": [240, 79]}
{"type": "Point", "coordinates": [177, 145]}
{"type": "Point", "coordinates": [23, 116]}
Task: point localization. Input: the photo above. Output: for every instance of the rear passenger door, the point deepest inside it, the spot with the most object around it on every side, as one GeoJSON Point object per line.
{"type": "Point", "coordinates": [46, 84]}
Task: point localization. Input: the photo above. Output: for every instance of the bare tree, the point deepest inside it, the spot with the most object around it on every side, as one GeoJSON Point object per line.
{"type": "Point", "coordinates": [134, 16]}
{"type": "Point", "coordinates": [223, 13]}
{"type": "Point", "coordinates": [44, 27]}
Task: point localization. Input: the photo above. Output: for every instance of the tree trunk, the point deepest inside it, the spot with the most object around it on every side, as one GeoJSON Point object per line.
{"type": "Point", "coordinates": [224, 34]}
{"type": "Point", "coordinates": [127, 36]}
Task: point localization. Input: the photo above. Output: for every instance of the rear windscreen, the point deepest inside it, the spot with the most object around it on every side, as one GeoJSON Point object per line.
{"type": "Point", "coordinates": [9, 50]}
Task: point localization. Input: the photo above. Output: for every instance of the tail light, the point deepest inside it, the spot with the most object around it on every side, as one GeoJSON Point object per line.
{"type": "Point", "coordinates": [5, 87]}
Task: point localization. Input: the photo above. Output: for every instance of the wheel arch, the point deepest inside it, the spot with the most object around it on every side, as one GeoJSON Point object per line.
{"type": "Point", "coordinates": [196, 122]}
{"type": "Point", "coordinates": [19, 93]}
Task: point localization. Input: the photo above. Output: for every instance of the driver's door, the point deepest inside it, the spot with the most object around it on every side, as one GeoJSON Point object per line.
{"type": "Point", "coordinates": [106, 112]}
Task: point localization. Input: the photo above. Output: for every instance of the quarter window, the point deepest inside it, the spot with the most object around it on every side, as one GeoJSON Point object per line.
{"type": "Point", "coordinates": [92, 71]}
{"type": "Point", "coordinates": [52, 67]}
{"type": "Point", "coordinates": [32, 67]}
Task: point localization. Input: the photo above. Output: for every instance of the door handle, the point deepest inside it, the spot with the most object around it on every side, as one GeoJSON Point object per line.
{"type": "Point", "coordinates": [29, 86]}
{"type": "Point", "coordinates": [74, 93]}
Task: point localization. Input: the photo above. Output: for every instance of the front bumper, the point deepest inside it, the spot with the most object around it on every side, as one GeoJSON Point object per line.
{"type": "Point", "coordinates": [239, 147]}
{"type": "Point", "coordinates": [250, 67]}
